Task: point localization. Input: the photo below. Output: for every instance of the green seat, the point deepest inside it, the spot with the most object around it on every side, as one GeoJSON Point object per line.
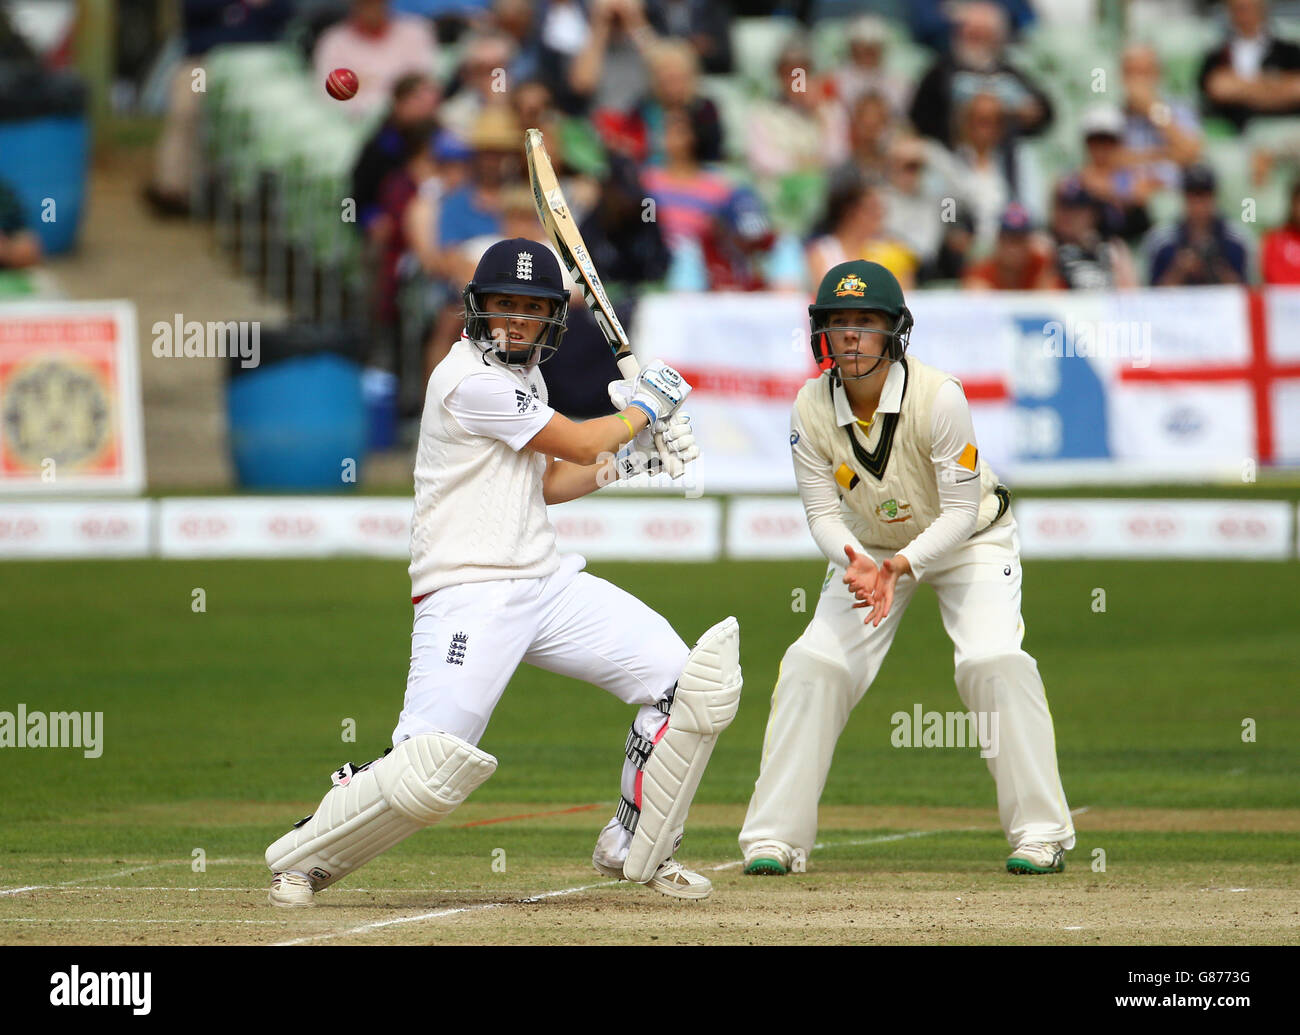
{"type": "Point", "coordinates": [732, 102]}
{"type": "Point", "coordinates": [1068, 57]}
{"type": "Point", "coordinates": [1165, 207]}
{"type": "Point", "coordinates": [795, 201]}
{"type": "Point", "coordinates": [908, 59]}
{"type": "Point", "coordinates": [583, 150]}
{"type": "Point", "coordinates": [16, 284]}
{"type": "Point", "coordinates": [756, 42]}
{"type": "Point", "coordinates": [1231, 162]}
{"type": "Point", "coordinates": [234, 71]}
{"type": "Point", "coordinates": [1182, 45]}
{"type": "Point", "coordinates": [328, 182]}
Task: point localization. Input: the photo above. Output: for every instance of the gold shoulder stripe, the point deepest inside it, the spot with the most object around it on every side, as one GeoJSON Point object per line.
{"type": "Point", "coordinates": [846, 477]}
{"type": "Point", "coordinates": [969, 457]}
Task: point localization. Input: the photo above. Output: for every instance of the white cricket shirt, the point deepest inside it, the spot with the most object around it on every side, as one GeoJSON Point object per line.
{"type": "Point", "coordinates": [479, 510]}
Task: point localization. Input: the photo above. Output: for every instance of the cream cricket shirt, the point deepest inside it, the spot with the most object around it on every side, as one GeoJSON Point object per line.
{"type": "Point", "coordinates": [912, 484]}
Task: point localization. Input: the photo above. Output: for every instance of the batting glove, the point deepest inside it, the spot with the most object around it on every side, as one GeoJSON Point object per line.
{"type": "Point", "coordinates": [640, 456]}
{"type": "Point", "coordinates": [676, 439]}
{"type": "Point", "coordinates": [658, 390]}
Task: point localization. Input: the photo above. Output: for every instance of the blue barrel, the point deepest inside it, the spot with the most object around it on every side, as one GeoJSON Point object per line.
{"type": "Point", "coordinates": [296, 423]}
{"type": "Point", "coordinates": [379, 388]}
{"type": "Point", "coordinates": [44, 150]}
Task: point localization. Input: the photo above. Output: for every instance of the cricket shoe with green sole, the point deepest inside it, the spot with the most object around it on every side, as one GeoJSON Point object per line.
{"type": "Point", "coordinates": [1037, 857]}
{"type": "Point", "coordinates": [768, 859]}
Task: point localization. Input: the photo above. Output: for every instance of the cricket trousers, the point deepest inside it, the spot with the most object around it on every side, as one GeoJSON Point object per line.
{"type": "Point", "coordinates": [826, 672]}
{"type": "Point", "coordinates": [468, 640]}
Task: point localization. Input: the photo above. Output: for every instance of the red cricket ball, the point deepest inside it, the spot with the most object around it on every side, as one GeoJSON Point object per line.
{"type": "Point", "coordinates": [342, 84]}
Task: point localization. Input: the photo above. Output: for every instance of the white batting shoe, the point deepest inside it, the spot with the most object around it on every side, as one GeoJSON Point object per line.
{"type": "Point", "coordinates": [292, 890]}
{"type": "Point", "coordinates": [1037, 857]}
{"type": "Point", "coordinates": [672, 878]}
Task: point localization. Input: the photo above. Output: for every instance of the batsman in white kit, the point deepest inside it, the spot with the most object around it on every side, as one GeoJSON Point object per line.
{"type": "Point", "coordinates": [491, 591]}
{"type": "Point", "coordinates": [896, 494]}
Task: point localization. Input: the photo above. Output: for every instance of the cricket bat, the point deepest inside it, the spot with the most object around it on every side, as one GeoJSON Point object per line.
{"type": "Point", "coordinates": [558, 222]}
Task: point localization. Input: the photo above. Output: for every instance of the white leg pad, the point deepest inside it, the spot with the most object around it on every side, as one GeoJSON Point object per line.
{"type": "Point", "coordinates": [367, 812]}
{"type": "Point", "coordinates": [707, 696]}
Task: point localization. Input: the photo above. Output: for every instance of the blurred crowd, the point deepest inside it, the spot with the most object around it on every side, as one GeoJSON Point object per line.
{"type": "Point", "coordinates": [929, 174]}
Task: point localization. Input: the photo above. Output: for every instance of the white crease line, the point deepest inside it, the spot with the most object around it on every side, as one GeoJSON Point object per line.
{"type": "Point", "coordinates": [845, 844]}
{"type": "Point", "coordinates": [438, 914]}
{"type": "Point", "coordinates": [205, 921]}
{"type": "Point", "coordinates": [881, 840]}
{"type": "Point", "coordinates": [251, 889]}
{"type": "Point", "coordinates": [460, 909]}
{"type": "Point", "coordinates": [107, 876]}
{"type": "Point", "coordinates": [378, 924]}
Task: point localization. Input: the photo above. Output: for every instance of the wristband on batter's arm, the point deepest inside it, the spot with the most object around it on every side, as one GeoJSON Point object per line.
{"type": "Point", "coordinates": [650, 415]}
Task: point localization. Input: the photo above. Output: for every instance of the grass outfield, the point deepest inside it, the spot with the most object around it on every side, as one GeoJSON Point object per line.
{"type": "Point", "coordinates": [221, 727]}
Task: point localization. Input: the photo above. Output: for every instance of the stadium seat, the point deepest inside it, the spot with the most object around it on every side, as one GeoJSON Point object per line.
{"type": "Point", "coordinates": [1230, 160]}
{"type": "Point", "coordinates": [732, 102]}
{"type": "Point", "coordinates": [1067, 57]}
{"type": "Point", "coordinates": [1182, 46]}
{"type": "Point", "coordinates": [1164, 207]}
{"type": "Point", "coordinates": [756, 42]}
{"type": "Point", "coordinates": [827, 10]}
{"type": "Point", "coordinates": [796, 201]}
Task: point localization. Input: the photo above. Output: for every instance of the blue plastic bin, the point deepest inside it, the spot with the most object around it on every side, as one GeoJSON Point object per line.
{"type": "Point", "coordinates": [380, 390]}
{"type": "Point", "coordinates": [294, 423]}
{"type": "Point", "coordinates": [46, 158]}
{"type": "Point", "coordinates": [45, 148]}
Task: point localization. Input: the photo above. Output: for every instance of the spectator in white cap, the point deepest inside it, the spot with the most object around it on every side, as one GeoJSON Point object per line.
{"type": "Point", "coordinates": [1162, 136]}
{"type": "Point", "coordinates": [864, 71]}
{"type": "Point", "coordinates": [1120, 187]}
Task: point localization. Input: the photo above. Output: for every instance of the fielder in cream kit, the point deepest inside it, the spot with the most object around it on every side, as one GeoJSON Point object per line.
{"type": "Point", "coordinates": [896, 494]}
{"type": "Point", "coordinates": [490, 591]}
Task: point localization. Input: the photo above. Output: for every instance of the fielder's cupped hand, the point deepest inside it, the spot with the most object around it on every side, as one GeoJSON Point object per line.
{"type": "Point", "coordinates": [875, 590]}
{"type": "Point", "coordinates": [860, 576]}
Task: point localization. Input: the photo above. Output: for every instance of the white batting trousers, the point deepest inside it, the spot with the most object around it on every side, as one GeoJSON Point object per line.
{"type": "Point", "coordinates": [468, 640]}
{"type": "Point", "coordinates": [826, 672]}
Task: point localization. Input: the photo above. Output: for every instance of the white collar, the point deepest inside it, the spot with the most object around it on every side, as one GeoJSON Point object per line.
{"type": "Point", "coordinates": [490, 357]}
{"type": "Point", "coordinates": [891, 396]}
